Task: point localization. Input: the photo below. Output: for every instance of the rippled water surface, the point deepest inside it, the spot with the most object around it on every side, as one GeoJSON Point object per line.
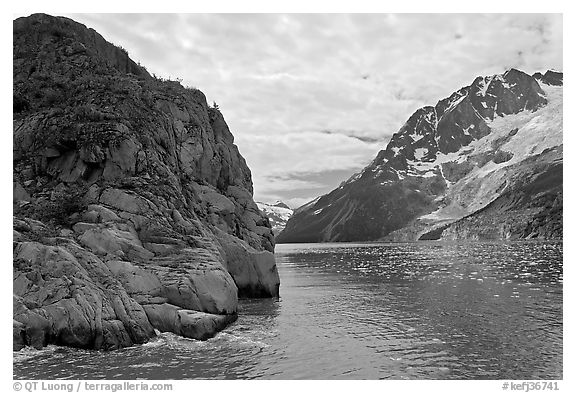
{"type": "Point", "coordinates": [403, 311]}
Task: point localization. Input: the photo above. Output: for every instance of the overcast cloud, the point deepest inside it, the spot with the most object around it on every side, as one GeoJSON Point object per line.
{"type": "Point", "coordinates": [311, 98]}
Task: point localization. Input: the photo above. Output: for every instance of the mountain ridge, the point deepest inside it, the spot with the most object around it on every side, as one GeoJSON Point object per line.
{"type": "Point", "coordinates": [412, 176]}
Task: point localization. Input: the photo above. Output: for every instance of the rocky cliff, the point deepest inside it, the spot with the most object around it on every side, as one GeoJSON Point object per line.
{"type": "Point", "coordinates": [133, 208]}
{"type": "Point", "coordinates": [462, 169]}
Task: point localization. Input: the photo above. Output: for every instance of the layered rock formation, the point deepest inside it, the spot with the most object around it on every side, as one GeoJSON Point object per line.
{"type": "Point", "coordinates": [462, 169]}
{"type": "Point", "coordinates": [133, 208]}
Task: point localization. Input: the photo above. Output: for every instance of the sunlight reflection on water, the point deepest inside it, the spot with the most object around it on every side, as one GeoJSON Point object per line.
{"type": "Point", "coordinates": [404, 311]}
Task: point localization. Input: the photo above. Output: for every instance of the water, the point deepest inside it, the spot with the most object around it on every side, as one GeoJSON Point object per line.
{"type": "Point", "coordinates": [425, 310]}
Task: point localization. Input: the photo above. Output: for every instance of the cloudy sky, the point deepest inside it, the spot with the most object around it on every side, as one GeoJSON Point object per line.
{"type": "Point", "coordinates": [311, 98]}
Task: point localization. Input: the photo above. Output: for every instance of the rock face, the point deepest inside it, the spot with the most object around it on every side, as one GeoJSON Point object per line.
{"type": "Point", "coordinates": [471, 155]}
{"type": "Point", "coordinates": [277, 213]}
{"type": "Point", "coordinates": [133, 208]}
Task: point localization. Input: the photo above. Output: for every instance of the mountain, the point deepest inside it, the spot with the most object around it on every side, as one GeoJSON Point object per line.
{"type": "Point", "coordinates": [277, 213]}
{"type": "Point", "coordinates": [133, 207]}
{"type": "Point", "coordinates": [484, 163]}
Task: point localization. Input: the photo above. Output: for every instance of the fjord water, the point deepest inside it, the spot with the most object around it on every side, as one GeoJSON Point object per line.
{"type": "Point", "coordinates": [425, 310]}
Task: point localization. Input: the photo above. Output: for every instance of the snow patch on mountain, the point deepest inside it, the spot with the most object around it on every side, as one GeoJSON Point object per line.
{"type": "Point", "coordinates": [416, 137]}
{"type": "Point", "coordinates": [455, 103]}
{"type": "Point", "coordinates": [518, 136]}
{"type": "Point", "coordinates": [277, 213]}
{"type": "Point", "coordinates": [483, 86]}
{"type": "Point", "coordinates": [530, 139]}
{"type": "Point", "coordinates": [420, 153]}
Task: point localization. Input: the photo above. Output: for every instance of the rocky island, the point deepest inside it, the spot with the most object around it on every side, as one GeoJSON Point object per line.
{"type": "Point", "coordinates": [133, 208]}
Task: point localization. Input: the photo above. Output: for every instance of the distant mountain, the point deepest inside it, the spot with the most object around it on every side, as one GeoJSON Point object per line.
{"type": "Point", "coordinates": [277, 213]}
{"type": "Point", "coordinates": [484, 163]}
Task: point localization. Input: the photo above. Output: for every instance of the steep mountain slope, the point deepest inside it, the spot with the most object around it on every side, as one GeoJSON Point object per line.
{"type": "Point", "coordinates": [445, 163]}
{"type": "Point", "coordinates": [277, 213]}
{"type": "Point", "coordinates": [531, 208]}
{"type": "Point", "coordinates": [133, 208]}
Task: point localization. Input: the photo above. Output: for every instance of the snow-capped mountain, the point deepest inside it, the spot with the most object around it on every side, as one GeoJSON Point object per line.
{"type": "Point", "coordinates": [484, 146]}
{"type": "Point", "coordinates": [277, 213]}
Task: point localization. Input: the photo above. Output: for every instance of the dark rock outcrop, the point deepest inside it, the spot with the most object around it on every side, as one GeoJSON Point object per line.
{"type": "Point", "coordinates": [552, 78]}
{"type": "Point", "coordinates": [133, 208]}
{"type": "Point", "coordinates": [446, 162]}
